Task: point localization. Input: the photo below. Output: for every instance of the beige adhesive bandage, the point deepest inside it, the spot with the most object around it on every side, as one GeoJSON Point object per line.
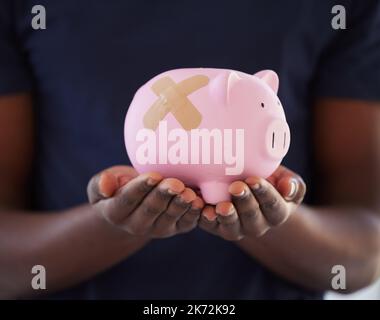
{"type": "Point", "coordinates": [173, 98]}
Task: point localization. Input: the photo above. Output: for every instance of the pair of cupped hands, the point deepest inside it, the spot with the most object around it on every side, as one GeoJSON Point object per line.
{"type": "Point", "coordinates": [156, 207]}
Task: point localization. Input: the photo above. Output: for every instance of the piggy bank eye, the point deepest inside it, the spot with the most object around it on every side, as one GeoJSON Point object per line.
{"type": "Point", "coordinates": [262, 104]}
{"type": "Point", "coordinates": [278, 102]}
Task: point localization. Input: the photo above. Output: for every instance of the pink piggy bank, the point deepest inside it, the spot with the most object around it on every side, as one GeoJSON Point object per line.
{"type": "Point", "coordinates": [208, 128]}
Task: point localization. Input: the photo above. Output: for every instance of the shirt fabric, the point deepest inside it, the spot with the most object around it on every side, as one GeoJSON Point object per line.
{"type": "Point", "coordinates": [85, 67]}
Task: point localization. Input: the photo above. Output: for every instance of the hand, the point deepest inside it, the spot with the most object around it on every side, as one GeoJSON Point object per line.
{"type": "Point", "coordinates": [144, 205]}
{"type": "Point", "coordinates": [257, 206]}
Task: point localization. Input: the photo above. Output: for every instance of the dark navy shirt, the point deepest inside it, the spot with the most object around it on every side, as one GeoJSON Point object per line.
{"type": "Point", "coordinates": [86, 66]}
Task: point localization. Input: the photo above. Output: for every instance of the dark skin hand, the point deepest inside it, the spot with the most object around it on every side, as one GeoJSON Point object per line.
{"type": "Point", "coordinates": [257, 205]}
{"type": "Point", "coordinates": [144, 205]}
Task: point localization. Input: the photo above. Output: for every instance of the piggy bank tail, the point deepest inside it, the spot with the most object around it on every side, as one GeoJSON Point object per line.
{"type": "Point", "coordinates": [214, 191]}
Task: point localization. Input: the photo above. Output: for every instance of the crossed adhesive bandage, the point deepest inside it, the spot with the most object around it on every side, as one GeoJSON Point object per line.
{"type": "Point", "coordinates": [173, 98]}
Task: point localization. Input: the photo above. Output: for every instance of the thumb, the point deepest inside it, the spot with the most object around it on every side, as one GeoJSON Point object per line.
{"type": "Point", "coordinates": [292, 188]}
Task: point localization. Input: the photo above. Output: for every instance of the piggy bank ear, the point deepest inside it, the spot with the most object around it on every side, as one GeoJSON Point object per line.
{"type": "Point", "coordinates": [270, 78]}
{"type": "Point", "coordinates": [221, 86]}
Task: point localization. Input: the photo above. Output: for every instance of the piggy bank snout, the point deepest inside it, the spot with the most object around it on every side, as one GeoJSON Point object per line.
{"type": "Point", "coordinates": [277, 139]}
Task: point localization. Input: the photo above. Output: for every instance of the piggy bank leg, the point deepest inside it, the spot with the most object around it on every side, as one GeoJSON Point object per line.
{"type": "Point", "coordinates": [215, 191]}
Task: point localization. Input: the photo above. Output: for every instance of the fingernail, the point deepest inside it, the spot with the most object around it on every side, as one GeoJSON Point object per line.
{"type": "Point", "coordinates": [293, 189]}
{"type": "Point", "coordinates": [256, 186]}
{"type": "Point", "coordinates": [220, 212]}
{"type": "Point", "coordinates": [239, 194]}
{"type": "Point", "coordinates": [208, 214]}
{"type": "Point", "coordinates": [172, 192]}
{"type": "Point", "coordinates": [230, 211]}
{"type": "Point", "coordinates": [103, 194]}
{"type": "Point", "coordinates": [196, 205]}
{"type": "Point", "coordinates": [182, 199]}
{"type": "Point", "coordinates": [151, 181]}
{"type": "Point", "coordinates": [209, 218]}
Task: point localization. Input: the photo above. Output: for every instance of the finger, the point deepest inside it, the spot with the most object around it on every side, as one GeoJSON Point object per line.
{"type": "Point", "coordinates": [155, 203]}
{"type": "Point", "coordinates": [190, 219]}
{"type": "Point", "coordinates": [229, 224]}
{"type": "Point", "coordinates": [104, 184]}
{"type": "Point", "coordinates": [166, 222]}
{"type": "Point", "coordinates": [272, 204]}
{"type": "Point", "coordinates": [250, 215]}
{"type": "Point", "coordinates": [208, 220]}
{"type": "Point", "coordinates": [128, 197]}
